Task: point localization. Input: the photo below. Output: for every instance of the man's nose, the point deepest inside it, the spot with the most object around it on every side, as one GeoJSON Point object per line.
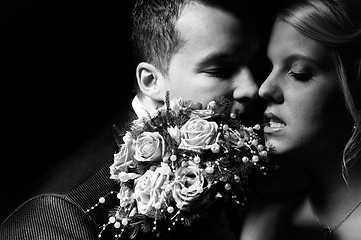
{"type": "Point", "coordinates": [245, 86]}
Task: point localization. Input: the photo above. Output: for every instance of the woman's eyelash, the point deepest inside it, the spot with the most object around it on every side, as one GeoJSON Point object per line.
{"type": "Point", "coordinates": [301, 76]}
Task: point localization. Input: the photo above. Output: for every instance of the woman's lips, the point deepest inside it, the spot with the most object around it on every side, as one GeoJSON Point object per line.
{"type": "Point", "coordinates": [273, 123]}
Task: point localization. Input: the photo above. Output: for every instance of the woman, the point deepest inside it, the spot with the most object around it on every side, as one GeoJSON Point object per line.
{"type": "Point", "coordinates": [313, 114]}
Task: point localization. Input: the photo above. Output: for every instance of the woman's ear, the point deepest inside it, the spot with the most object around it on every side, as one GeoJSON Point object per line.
{"type": "Point", "coordinates": [150, 81]}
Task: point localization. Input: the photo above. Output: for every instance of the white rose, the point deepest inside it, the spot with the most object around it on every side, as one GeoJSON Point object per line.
{"type": "Point", "coordinates": [198, 133]}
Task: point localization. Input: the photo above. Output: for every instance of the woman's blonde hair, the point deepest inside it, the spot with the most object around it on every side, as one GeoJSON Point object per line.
{"type": "Point", "coordinates": [336, 24]}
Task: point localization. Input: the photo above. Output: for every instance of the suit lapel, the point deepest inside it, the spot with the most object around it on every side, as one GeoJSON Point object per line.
{"type": "Point", "coordinates": [87, 194]}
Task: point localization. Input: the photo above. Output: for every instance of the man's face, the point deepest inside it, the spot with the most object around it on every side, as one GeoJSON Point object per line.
{"type": "Point", "coordinates": [212, 61]}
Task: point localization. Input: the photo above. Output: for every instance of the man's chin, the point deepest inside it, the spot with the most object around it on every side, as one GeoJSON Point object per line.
{"type": "Point", "coordinates": [250, 115]}
{"type": "Point", "coordinates": [249, 120]}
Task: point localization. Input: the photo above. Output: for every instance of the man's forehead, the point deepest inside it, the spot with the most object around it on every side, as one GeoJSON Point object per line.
{"type": "Point", "coordinates": [220, 48]}
{"type": "Point", "coordinates": [210, 33]}
{"type": "Point", "coordinates": [203, 18]}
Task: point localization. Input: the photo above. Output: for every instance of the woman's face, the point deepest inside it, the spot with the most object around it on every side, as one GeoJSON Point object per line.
{"type": "Point", "coordinates": [305, 108]}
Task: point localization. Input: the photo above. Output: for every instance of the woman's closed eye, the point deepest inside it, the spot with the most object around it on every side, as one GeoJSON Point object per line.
{"type": "Point", "coordinates": [301, 76]}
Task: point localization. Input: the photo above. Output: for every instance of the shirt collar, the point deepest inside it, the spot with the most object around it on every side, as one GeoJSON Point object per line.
{"type": "Point", "coordinates": [138, 108]}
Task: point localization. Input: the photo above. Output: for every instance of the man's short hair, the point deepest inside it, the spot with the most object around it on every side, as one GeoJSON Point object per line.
{"type": "Point", "coordinates": [154, 36]}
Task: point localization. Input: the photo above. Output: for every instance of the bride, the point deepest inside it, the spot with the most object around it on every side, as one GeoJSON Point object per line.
{"type": "Point", "coordinates": [313, 96]}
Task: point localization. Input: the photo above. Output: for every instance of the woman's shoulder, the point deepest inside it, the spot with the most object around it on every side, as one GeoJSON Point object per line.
{"type": "Point", "coordinates": [267, 214]}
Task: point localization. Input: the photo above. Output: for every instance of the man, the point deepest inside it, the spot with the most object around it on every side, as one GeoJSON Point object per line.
{"type": "Point", "coordinates": [203, 56]}
{"type": "Point", "coordinates": [197, 50]}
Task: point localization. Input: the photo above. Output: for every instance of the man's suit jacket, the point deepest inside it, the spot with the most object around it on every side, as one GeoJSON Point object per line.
{"type": "Point", "coordinates": [59, 208]}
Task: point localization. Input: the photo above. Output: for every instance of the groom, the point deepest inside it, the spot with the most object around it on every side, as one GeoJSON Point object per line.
{"type": "Point", "coordinates": [197, 50]}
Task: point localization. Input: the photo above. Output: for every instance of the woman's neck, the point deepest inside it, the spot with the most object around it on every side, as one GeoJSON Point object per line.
{"type": "Point", "coordinates": [330, 195]}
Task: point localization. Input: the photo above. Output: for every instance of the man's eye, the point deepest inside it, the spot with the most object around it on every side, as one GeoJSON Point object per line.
{"type": "Point", "coordinates": [219, 73]}
{"type": "Point", "coordinates": [301, 76]}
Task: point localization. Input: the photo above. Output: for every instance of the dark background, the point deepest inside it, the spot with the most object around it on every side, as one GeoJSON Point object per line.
{"type": "Point", "coordinates": [66, 70]}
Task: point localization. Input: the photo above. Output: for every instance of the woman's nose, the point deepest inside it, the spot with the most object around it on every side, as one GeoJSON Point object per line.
{"type": "Point", "coordinates": [245, 86]}
{"type": "Point", "coordinates": [270, 89]}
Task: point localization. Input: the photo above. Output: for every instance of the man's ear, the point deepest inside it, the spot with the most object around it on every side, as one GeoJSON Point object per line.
{"type": "Point", "coordinates": [150, 81]}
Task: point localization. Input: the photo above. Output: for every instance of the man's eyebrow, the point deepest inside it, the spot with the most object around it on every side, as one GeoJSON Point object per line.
{"type": "Point", "coordinates": [216, 57]}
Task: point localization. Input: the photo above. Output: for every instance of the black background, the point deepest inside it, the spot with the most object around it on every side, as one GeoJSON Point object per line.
{"type": "Point", "coordinates": [66, 71]}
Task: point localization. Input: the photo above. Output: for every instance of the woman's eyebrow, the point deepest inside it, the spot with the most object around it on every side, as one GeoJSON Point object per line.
{"type": "Point", "coordinates": [318, 61]}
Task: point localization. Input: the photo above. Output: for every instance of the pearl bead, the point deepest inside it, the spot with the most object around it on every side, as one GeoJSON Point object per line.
{"type": "Point", "coordinates": [215, 148]}
{"type": "Point", "coordinates": [117, 224]}
{"type": "Point", "coordinates": [170, 209]}
{"type": "Point", "coordinates": [263, 153]}
{"type": "Point", "coordinates": [112, 220]}
{"type": "Point", "coordinates": [257, 127]}
{"type": "Point", "coordinates": [157, 205]}
{"type": "Point", "coordinates": [255, 158]}
{"type": "Point", "coordinates": [237, 178]}
{"type": "Point", "coordinates": [125, 221]}
{"type": "Point", "coordinates": [227, 186]}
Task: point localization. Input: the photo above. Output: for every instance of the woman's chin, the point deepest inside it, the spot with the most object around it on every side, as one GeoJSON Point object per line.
{"type": "Point", "coordinates": [280, 147]}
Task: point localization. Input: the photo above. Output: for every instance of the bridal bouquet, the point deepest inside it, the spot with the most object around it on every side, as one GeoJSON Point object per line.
{"type": "Point", "coordinates": [177, 160]}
